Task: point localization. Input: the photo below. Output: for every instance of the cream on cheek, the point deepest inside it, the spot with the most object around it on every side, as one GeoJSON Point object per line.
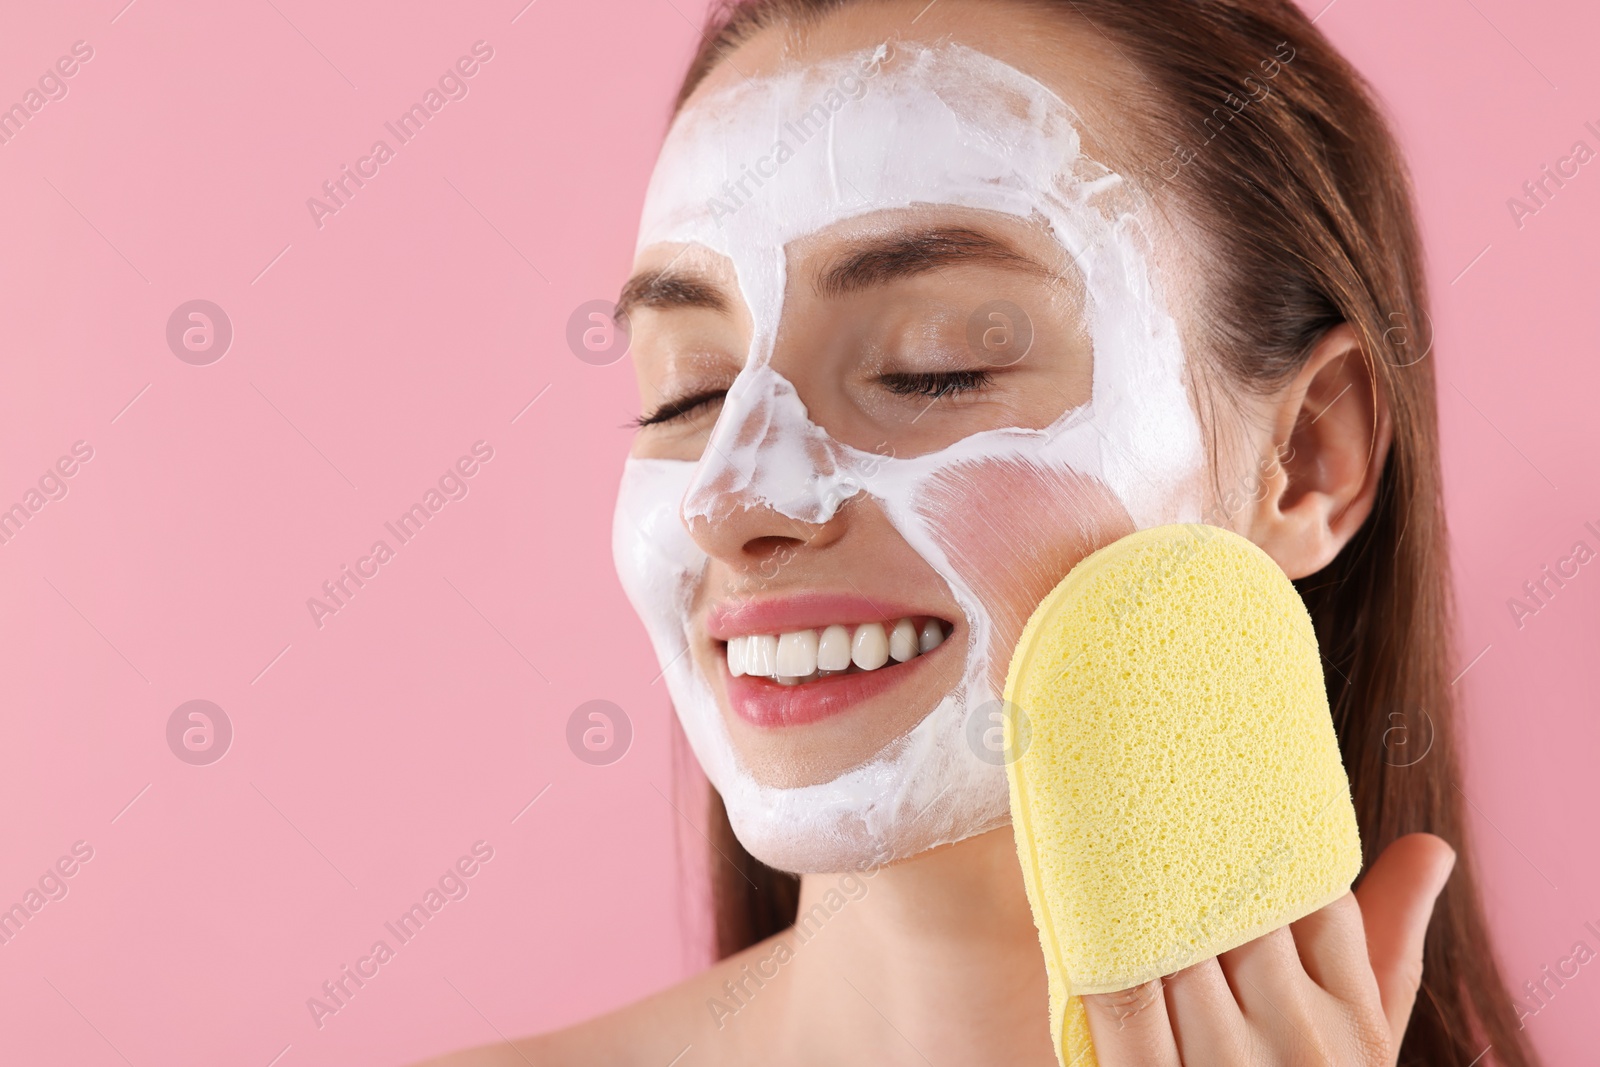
{"type": "Point", "coordinates": [887, 128]}
{"type": "Point", "coordinates": [1012, 529]}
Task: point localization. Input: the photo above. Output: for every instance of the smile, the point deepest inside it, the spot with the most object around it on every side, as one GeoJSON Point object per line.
{"type": "Point", "coordinates": [803, 656]}
{"type": "Point", "coordinates": [791, 677]}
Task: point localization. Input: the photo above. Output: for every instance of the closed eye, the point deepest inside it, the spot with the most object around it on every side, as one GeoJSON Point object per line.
{"type": "Point", "coordinates": [935, 384]}
{"type": "Point", "coordinates": [679, 408]}
{"type": "Point", "coordinates": [931, 385]}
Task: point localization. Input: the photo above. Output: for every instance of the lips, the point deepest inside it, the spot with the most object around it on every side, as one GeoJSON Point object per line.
{"type": "Point", "coordinates": [801, 659]}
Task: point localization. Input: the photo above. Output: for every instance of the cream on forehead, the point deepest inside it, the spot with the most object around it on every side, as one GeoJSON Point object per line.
{"type": "Point", "coordinates": [746, 171]}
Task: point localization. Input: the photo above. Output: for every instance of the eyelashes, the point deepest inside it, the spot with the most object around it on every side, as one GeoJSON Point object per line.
{"type": "Point", "coordinates": [673, 410]}
{"type": "Point", "coordinates": [935, 385]}
{"type": "Point", "coordinates": [928, 385]}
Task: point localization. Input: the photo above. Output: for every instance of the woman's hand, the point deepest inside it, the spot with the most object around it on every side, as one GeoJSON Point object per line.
{"type": "Point", "coordinates": [1336, 987]}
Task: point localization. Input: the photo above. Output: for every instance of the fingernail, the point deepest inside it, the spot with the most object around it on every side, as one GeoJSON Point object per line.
{"type": "Point", "coordinates": [1444, 875]}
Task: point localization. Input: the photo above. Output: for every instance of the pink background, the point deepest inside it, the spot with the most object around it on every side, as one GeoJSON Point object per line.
{"type": "Point", "coordinates": [368, 355]}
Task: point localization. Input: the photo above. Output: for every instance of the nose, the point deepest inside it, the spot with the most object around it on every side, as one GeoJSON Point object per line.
{"type": "Point", "coordinates": [770, 480]}
{"type": "Point", "coordinates": [754, 537]}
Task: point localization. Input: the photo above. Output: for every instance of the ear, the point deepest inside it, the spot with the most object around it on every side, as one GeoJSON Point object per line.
{"type": "Point", "coordinates": [1324, 479]}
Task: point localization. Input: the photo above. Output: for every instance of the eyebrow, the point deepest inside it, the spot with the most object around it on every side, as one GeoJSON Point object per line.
{"type": "Point", "coordinates": [874, 262]}
{"type": "Point", "coordinates": [665, 289]}
{"type": "Point", "coordinates": [882, 260]}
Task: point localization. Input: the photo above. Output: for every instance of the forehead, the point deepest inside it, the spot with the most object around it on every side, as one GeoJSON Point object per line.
{"type": "Point", "coordinates": [764, 160]}
{"type": "Point", "coordinates": [1054, 47]}
{"type": "Point", "coordinates": [1112, 106]}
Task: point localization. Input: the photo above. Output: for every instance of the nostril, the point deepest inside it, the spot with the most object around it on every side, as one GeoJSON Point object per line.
{"type": "Point", "coordinates": [762, 548]}
{"type": "Point", "coordinates": [765, 557]}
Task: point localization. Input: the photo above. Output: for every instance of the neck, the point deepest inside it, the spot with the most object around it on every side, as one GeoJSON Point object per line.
{"type": "Point", "coordinates": [933, 956]}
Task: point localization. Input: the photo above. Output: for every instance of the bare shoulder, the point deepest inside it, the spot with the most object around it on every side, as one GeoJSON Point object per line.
{"type": "Point", "coordinates": [683, 1025]}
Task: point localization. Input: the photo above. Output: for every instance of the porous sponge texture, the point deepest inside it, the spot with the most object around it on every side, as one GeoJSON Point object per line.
{"type": "Point", "coordinates": [1178, 789]}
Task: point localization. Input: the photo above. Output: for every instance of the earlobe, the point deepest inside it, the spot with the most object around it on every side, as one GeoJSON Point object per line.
{"type": "Point", "coordinates": [1329, 438]}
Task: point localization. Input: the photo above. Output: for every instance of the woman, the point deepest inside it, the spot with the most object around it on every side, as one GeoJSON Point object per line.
{"type": "Point", "coordinates": [932, 300]}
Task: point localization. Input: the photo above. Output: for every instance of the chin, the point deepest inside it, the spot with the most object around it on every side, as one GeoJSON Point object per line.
{"type": "Point", "coordinates": [850, 844]}
{"type": "Point", "coordinates": [924, 791]}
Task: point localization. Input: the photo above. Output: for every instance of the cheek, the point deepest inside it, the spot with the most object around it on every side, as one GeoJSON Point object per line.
{"type": "Point", "coordinates": [1012, 531]}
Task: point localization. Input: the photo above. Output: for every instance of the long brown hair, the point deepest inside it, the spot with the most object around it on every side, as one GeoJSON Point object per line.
{"type": "Point", "coordinates": [1281, 157]}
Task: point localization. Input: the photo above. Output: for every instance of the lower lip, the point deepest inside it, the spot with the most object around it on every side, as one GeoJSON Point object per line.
{"type": "Point", "coordinates": [763, 702]}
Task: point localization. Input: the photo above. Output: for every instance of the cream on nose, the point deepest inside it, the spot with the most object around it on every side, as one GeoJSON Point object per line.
{"type": "Point", "coordinates": [765, 451]}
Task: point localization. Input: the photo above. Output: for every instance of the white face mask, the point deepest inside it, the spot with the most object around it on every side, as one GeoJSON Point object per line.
{"type": "Point", "coordinates": [745, 172]}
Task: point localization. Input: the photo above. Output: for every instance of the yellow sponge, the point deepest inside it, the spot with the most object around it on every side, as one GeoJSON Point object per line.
{"type": "Point", "coordinates": [1176, 787]}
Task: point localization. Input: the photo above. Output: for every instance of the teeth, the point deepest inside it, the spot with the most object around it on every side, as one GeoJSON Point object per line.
{"type": "Point", "coordinates": [833, 650]}
{"type": "Point", "coordinates": [870, 649]}
{"type": "Point", "coordinates": [903, 641]}
{"type": "Point", "coordinates": [797, 654]}
{"type": "Point", "coordinates": [805, 655]}
{"type": "Point", "coordinates": [761, 655]}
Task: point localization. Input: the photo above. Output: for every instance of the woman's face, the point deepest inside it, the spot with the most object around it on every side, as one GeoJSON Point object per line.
{"type": "Point", "coordinates": [903, 361]}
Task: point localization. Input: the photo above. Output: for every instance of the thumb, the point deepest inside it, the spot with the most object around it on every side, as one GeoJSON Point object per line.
{"type": "Point", "coordinates": [1397, 898]}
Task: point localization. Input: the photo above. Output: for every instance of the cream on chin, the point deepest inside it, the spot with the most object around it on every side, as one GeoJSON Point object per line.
{"type": "Point", "coordinates": [941, 125]}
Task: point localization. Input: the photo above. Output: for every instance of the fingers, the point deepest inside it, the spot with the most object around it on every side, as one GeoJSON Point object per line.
{"type": "Point", "coordinates": [1333, 949]}
{"type": "Point", "coordinates": [1198, 1015]}
{"type": "Point", "coordinates": [1131, 1027]}
{"type": "Point", "coordinates": [1363, 950]}
{"type": "Point", "coordinates": [1396, 901]}
{"type": "Point", "coordinates": [1206, 1021]}
{"type": "Point", "coordinates": [1258, 968]}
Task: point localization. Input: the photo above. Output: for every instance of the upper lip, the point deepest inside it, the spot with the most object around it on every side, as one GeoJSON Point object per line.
{"type": "Point", "coordinates": [803, 611]}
